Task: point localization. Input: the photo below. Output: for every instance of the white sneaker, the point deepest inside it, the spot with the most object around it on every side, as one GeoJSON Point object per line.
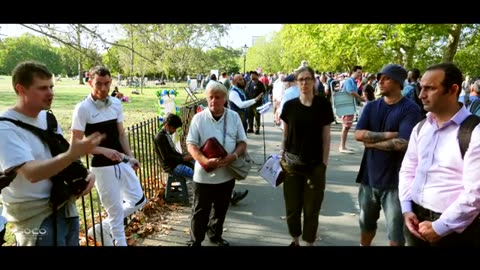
{"type": "Point", "coordinates": [108, 240]}
{"type": "Point", "coordinates": [346, 151]}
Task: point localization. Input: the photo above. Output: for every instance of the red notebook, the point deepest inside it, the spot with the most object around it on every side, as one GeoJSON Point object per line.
{"type": "Point", "coordinates": [212, 149]}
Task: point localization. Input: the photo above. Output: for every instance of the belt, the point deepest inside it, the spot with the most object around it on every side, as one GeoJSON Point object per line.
{"type": "Point", "coordinates": [425, 213]}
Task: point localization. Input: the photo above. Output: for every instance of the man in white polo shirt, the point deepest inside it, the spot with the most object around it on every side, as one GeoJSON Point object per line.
{"type": "Point", "coordinates": [212, 190]}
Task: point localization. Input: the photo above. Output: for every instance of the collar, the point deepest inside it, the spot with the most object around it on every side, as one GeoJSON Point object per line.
{"type": "Point", "coordinates": [456, 118]}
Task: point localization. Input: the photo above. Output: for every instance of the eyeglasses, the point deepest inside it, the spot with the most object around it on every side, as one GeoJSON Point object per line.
{"type": "Point", "coordinates": [307, 80]}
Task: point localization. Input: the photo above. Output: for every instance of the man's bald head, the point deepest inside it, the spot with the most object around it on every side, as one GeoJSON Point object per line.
{"type": "Point", "coordinates": [239, 81]}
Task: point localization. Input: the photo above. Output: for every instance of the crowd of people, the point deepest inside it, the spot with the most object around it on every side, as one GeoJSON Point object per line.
{"type": "Point", "coordinates": [428, 198]}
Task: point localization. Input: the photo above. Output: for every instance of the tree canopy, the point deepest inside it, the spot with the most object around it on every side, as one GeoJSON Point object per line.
{"type": "Point", "coordinates": [178, 50]}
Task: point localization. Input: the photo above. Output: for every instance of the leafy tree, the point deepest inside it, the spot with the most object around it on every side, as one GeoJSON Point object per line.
{"type": "Point", "coordinates": [29, 47]}
{"type": "Point", "coordinates": [112, 61]}
{"type": "Point", "coordinates": [223, 59]}
{"type": "Point", "coordinates": [69, 61]}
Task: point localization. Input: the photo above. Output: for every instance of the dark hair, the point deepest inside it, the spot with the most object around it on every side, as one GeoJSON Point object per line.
{"type": "Point", "coordinates": [173, 120]}
{"type": "Point", "coordinates": [100, 71]}
{"type": "Point", "coordinates": [453, 75]}
{"type": "Point", "coordinates": [415, 73]}
{"type": "Point", "coordinates": [370, 91]}
{"type": "Point", "coordinates": [355, 68]}
{"type": "Point", "coordinates": [25, 72]}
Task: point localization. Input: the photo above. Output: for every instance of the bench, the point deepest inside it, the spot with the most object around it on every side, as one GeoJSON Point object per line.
{"type": "Point", "coordinates": [176, 189]}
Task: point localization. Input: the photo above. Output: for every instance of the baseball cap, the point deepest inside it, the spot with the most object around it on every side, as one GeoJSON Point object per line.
{"type": "Point", "coordinates": [289, 78]}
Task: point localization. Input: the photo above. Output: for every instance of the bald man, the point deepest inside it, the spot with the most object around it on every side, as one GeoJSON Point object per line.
{"type": "Point", "coordinates": [237, 99]}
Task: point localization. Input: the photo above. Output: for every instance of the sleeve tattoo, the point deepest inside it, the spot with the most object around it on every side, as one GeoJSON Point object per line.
{"type": "Point", "coordinates": [395, 144]}
{"type": "Point", "coordinates": [372, 137]}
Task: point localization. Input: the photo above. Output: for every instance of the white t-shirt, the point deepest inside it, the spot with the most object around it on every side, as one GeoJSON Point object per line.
{"type": "Point", "coordinates": [203, 127]}
{"type": "Point", "coordinates": [278, 90]}
{"type": "Point", "coordinates": [87, 112]}
{"type": "Point", "coordinates": [97, 116]}
{"type": "Point", "coordinates": [17, 146]}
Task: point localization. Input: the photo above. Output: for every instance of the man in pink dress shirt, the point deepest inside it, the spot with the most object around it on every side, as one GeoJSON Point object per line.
{"type": "Point", "coordinates": [439, 191]}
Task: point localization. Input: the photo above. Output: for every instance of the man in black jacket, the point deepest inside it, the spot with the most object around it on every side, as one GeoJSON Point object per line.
{"type": "Point", "coordinates": [254, 88]}
{"type": "Point", "coordinates": [176, 163]}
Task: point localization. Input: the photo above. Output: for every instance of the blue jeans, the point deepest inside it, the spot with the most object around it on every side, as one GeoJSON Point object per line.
{"type": "Point", "coordinates": [371, 201]}
{"type": "Point", "coordinates": [68, 229]}
{"type": "Point", "coordinates": [183, 171]}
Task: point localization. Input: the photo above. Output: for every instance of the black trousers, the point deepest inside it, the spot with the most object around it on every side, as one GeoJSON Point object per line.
{"type": "Point", "coordinates": [303, 192]}
{"type": "Point", "coordinates": [209, 209]}
{"type": "Point", "coordinates": [253, 113]}
{"type": "Point", "coordinates": [468, 238]}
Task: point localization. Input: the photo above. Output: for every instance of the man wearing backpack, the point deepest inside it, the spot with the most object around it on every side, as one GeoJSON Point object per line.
{"type": "Point", "coordinates": [439, 189]}
{"type": "Point", "coordinates": [26, 199]}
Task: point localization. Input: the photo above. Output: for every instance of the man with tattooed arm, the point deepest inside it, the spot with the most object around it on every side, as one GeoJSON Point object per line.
{"type": "Point", "coordinates": [384, 127]}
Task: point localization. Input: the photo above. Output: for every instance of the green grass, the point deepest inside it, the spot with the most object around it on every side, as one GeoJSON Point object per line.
{"type": "Point", "coordinates": [68, 93]}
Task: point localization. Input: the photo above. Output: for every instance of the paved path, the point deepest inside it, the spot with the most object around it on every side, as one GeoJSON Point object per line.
{"type": "Point", "coordinates": [259, 219]}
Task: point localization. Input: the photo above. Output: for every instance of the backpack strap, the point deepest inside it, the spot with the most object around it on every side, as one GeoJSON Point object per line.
{"type": "Point", "coordinates": [52, 124]}
{"type": "Point", "coordinates": [420, 125]}
{"type": "Point", "coordinates": [465, 132]}
{"type": "Point", "coordinates": [35, 130]}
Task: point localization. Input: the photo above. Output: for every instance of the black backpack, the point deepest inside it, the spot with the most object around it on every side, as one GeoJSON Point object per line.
{"type": "Point", "coordinates": [70, 181]}
{"type": "Point", "coordinates": [464, 132]}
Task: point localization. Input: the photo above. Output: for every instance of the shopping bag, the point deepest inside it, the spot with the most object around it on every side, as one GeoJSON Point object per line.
{"type": "Point", "coordinates": [272, 172]}
{"type": "Point", "coordinates": [241, 166]}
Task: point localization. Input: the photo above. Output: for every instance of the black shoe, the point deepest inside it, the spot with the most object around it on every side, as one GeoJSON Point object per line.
{"type": "Point", "coordinates": [293, 244]}
{"type": "Point", "coordinates": [220, 242]}
{"type": "Point", "coordinates": [190, 243]}
{"type": "Point", "coordinates": [257, 131]}
{"type": "Point", "coordinates": [238, 196]}
{"type": "Point", "coordinates": [250, 131]}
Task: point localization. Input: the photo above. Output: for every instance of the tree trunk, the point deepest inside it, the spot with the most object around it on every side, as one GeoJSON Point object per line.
{"type": "Point", "coordinates": [131, 57]}
{"type": "Point", "coordinates": [452, 43]}
{"type": "Point", "coordinates": [80, 71]}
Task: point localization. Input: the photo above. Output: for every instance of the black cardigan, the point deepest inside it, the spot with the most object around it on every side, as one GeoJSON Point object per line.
{"type": "Point", "coordinates": [168, 156]}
